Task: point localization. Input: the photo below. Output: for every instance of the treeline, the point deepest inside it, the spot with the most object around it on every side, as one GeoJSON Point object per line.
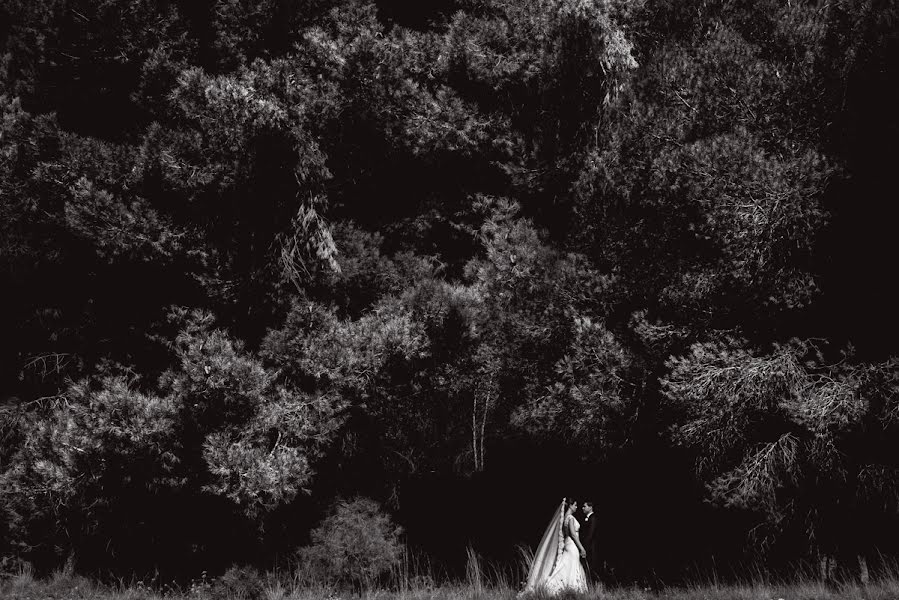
{"type": "Point", "coordinates": [463, 258]}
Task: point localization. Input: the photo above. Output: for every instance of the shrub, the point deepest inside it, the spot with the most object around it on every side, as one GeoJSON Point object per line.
{"type": "Point", "coordinates": [61, 584]}
{"type": "Point", "coordinates": [13, 566]}
{"type": "Point", "coordinates": [357, 543]}
{"type": "Point", "coordinates": [238, 583]}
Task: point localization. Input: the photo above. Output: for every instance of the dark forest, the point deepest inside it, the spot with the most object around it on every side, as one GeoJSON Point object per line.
{"type": "Point", "coordinates": [452, 260]}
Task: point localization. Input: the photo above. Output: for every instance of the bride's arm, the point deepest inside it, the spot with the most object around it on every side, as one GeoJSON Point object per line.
{"type": "Point", "coordinates": [577, 540]}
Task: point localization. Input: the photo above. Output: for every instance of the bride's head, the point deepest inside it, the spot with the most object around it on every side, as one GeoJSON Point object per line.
{"type": "Point", "coordinates": [570, 505]}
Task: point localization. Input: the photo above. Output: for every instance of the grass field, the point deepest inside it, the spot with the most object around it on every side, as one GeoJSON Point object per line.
{"type": "Point", "coordinates": [62, 586]}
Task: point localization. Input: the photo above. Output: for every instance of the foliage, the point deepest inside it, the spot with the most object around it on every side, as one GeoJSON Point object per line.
{"type": "Point", "coordinates": [777, 432]}
{"type": "Point", "coordinates": [104, 448]}
{"type": "Point", "coordinates": [84, 445]}
{"type": "Point", "coordinates": [260, 436]}
{"type": "Point", "coordinates": [238, 582]}
{"type": "Point", "coordinates": [356, 543]}
{"type": "Point", "coordinates": [590, 403]}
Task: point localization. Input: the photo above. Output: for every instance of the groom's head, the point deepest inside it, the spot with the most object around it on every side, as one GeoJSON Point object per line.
{"type": "Point", "coordinates": [587, 507]}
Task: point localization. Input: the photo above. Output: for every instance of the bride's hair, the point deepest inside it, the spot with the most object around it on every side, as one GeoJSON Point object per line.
{"type": "Point", "coordinates": [569, 502]}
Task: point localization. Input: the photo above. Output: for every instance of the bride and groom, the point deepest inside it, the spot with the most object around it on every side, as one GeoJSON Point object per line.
{"type": "Point", "coordinates": [557, 564]}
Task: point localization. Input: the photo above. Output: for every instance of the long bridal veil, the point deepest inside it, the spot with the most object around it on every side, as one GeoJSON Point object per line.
{"type": "Point", "coordinates": [547, 552]}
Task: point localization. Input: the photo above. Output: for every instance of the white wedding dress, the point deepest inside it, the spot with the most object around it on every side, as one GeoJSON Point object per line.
{"type": "Point", "coordinates": [568, 573]}
{"type": "Point", "coordinates": [556, 566]}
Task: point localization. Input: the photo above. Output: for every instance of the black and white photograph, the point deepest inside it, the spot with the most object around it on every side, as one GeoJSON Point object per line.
{"type": "Point", "coordinates": [449, 299]}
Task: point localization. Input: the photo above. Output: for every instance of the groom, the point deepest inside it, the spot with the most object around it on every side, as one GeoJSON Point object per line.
{"type": "Point", "coordinates": [589, 541]}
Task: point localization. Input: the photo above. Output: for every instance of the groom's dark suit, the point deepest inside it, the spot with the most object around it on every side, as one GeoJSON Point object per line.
{"type": "Point", "coordinates": [590, 542]}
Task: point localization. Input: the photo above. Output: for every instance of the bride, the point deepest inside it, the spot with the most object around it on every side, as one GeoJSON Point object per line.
{"type": "Point", "coordinates": [557, 563]}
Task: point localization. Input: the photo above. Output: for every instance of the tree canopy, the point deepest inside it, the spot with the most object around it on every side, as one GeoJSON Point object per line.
{"type": "Point", "coordinates": [262, 256]}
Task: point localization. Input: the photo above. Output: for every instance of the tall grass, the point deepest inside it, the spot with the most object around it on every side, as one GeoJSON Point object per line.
{"type": "Point", "coordinates": [415, 580]}
{"type": "Point", "coordinates": [481, 577]}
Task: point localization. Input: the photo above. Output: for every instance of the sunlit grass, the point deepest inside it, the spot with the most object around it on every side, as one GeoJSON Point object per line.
{"type": "Point", "coordinates": [411, 582]}
{"type": "Point", "coordinates": [20, 588]}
